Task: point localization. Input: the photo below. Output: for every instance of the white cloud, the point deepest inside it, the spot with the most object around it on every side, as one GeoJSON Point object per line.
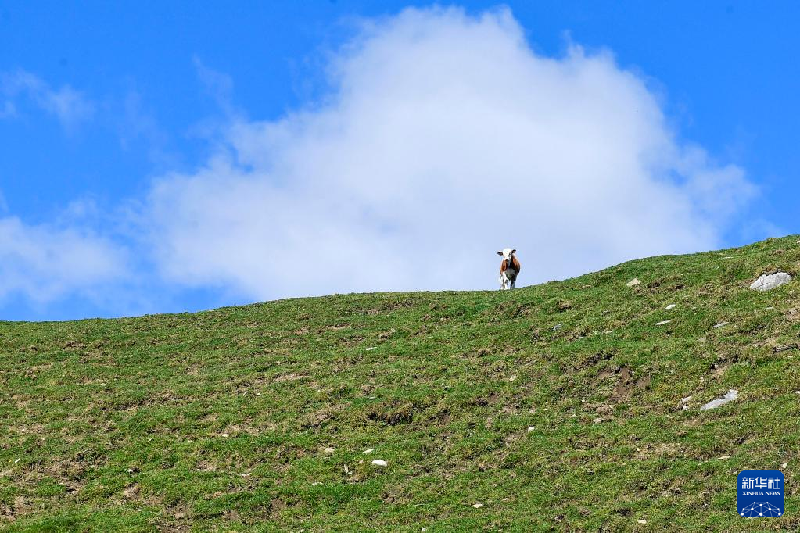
{"type": "Point", "coordinates": [444, 138]}
{"type": "Point", "coordinates": [218, 85]}
{"type": "Point", "coordinates": [45, 263]}
{"type": "Point", "coordinates": [65, 103]}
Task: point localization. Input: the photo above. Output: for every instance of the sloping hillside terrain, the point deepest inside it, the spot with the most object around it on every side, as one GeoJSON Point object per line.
{"type": "Point", "coordinates": [570, 405]}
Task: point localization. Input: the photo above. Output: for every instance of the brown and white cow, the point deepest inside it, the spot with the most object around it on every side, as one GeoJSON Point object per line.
{"type": "Point", "coordinates": [509, 268]}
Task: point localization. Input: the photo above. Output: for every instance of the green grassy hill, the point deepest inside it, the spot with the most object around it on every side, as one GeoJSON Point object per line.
{"type": "Point", "coordinates": [562, 406]}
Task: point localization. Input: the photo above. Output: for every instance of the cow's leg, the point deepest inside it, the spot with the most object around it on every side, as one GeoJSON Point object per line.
{"type": "Point", "coordinates": [511, 277]}
{"type": "Point", "coordinates": [503, 281]}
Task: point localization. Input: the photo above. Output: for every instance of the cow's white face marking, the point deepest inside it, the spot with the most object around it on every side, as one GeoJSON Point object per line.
{"type": "Point", "coordinates": [507, 253]}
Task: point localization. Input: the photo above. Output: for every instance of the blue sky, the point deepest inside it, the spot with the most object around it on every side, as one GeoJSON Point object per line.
{"type": "Point", "coordinates": [181, 156]}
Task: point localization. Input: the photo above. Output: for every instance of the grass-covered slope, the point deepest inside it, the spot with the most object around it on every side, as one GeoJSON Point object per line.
{"type": "Point", "coordinates": [554, 406]}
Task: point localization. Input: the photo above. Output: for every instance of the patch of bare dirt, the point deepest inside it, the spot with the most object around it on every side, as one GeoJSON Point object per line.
{"type": "Point", "coordinates": [393, 414]}
{"type": "Point", "coordinates": [320, 416]}
{"type": "Point", "coordinates": [627, 384]}
{"type": "Point", "coordinates": [289, 377]}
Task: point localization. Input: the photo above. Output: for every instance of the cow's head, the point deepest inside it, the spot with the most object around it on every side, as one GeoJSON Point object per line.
{"type": "Point", "coordinates": [507, 253]}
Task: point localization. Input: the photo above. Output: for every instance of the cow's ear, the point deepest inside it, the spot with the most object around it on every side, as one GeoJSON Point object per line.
{"type": "Point", "coordinates": [514, 251]}
{"type": "Point", "coordinates": [499, 253]}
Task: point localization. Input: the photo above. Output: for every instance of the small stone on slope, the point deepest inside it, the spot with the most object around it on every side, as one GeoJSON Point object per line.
{"type": "Point", "coordinates": [729, 397]}
{"type": "Point", "coordinates": [767, 282]}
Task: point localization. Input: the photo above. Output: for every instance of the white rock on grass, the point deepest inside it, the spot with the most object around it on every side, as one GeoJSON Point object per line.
{"type": "Point", "coordinates": [634, 282]}
{"type": "Point", "coordinates": [729, 397]}
{"type": "Point", "coordinates": [766, 282]}
{"type": "Point", "coordinates": [670, 306]}
{"type": "Point", "coordinates": [663, 322]}
{"type": "Point", "coordinates": [684, 402]}
{"type": "Point", "coordinates": [369, 450]}
{"type": "Point", "coordinates": [477, 505]}
{"type": "Point", "coordinates": [379, 462]}
{"type": "Point", "coordinates": [721, 324]}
